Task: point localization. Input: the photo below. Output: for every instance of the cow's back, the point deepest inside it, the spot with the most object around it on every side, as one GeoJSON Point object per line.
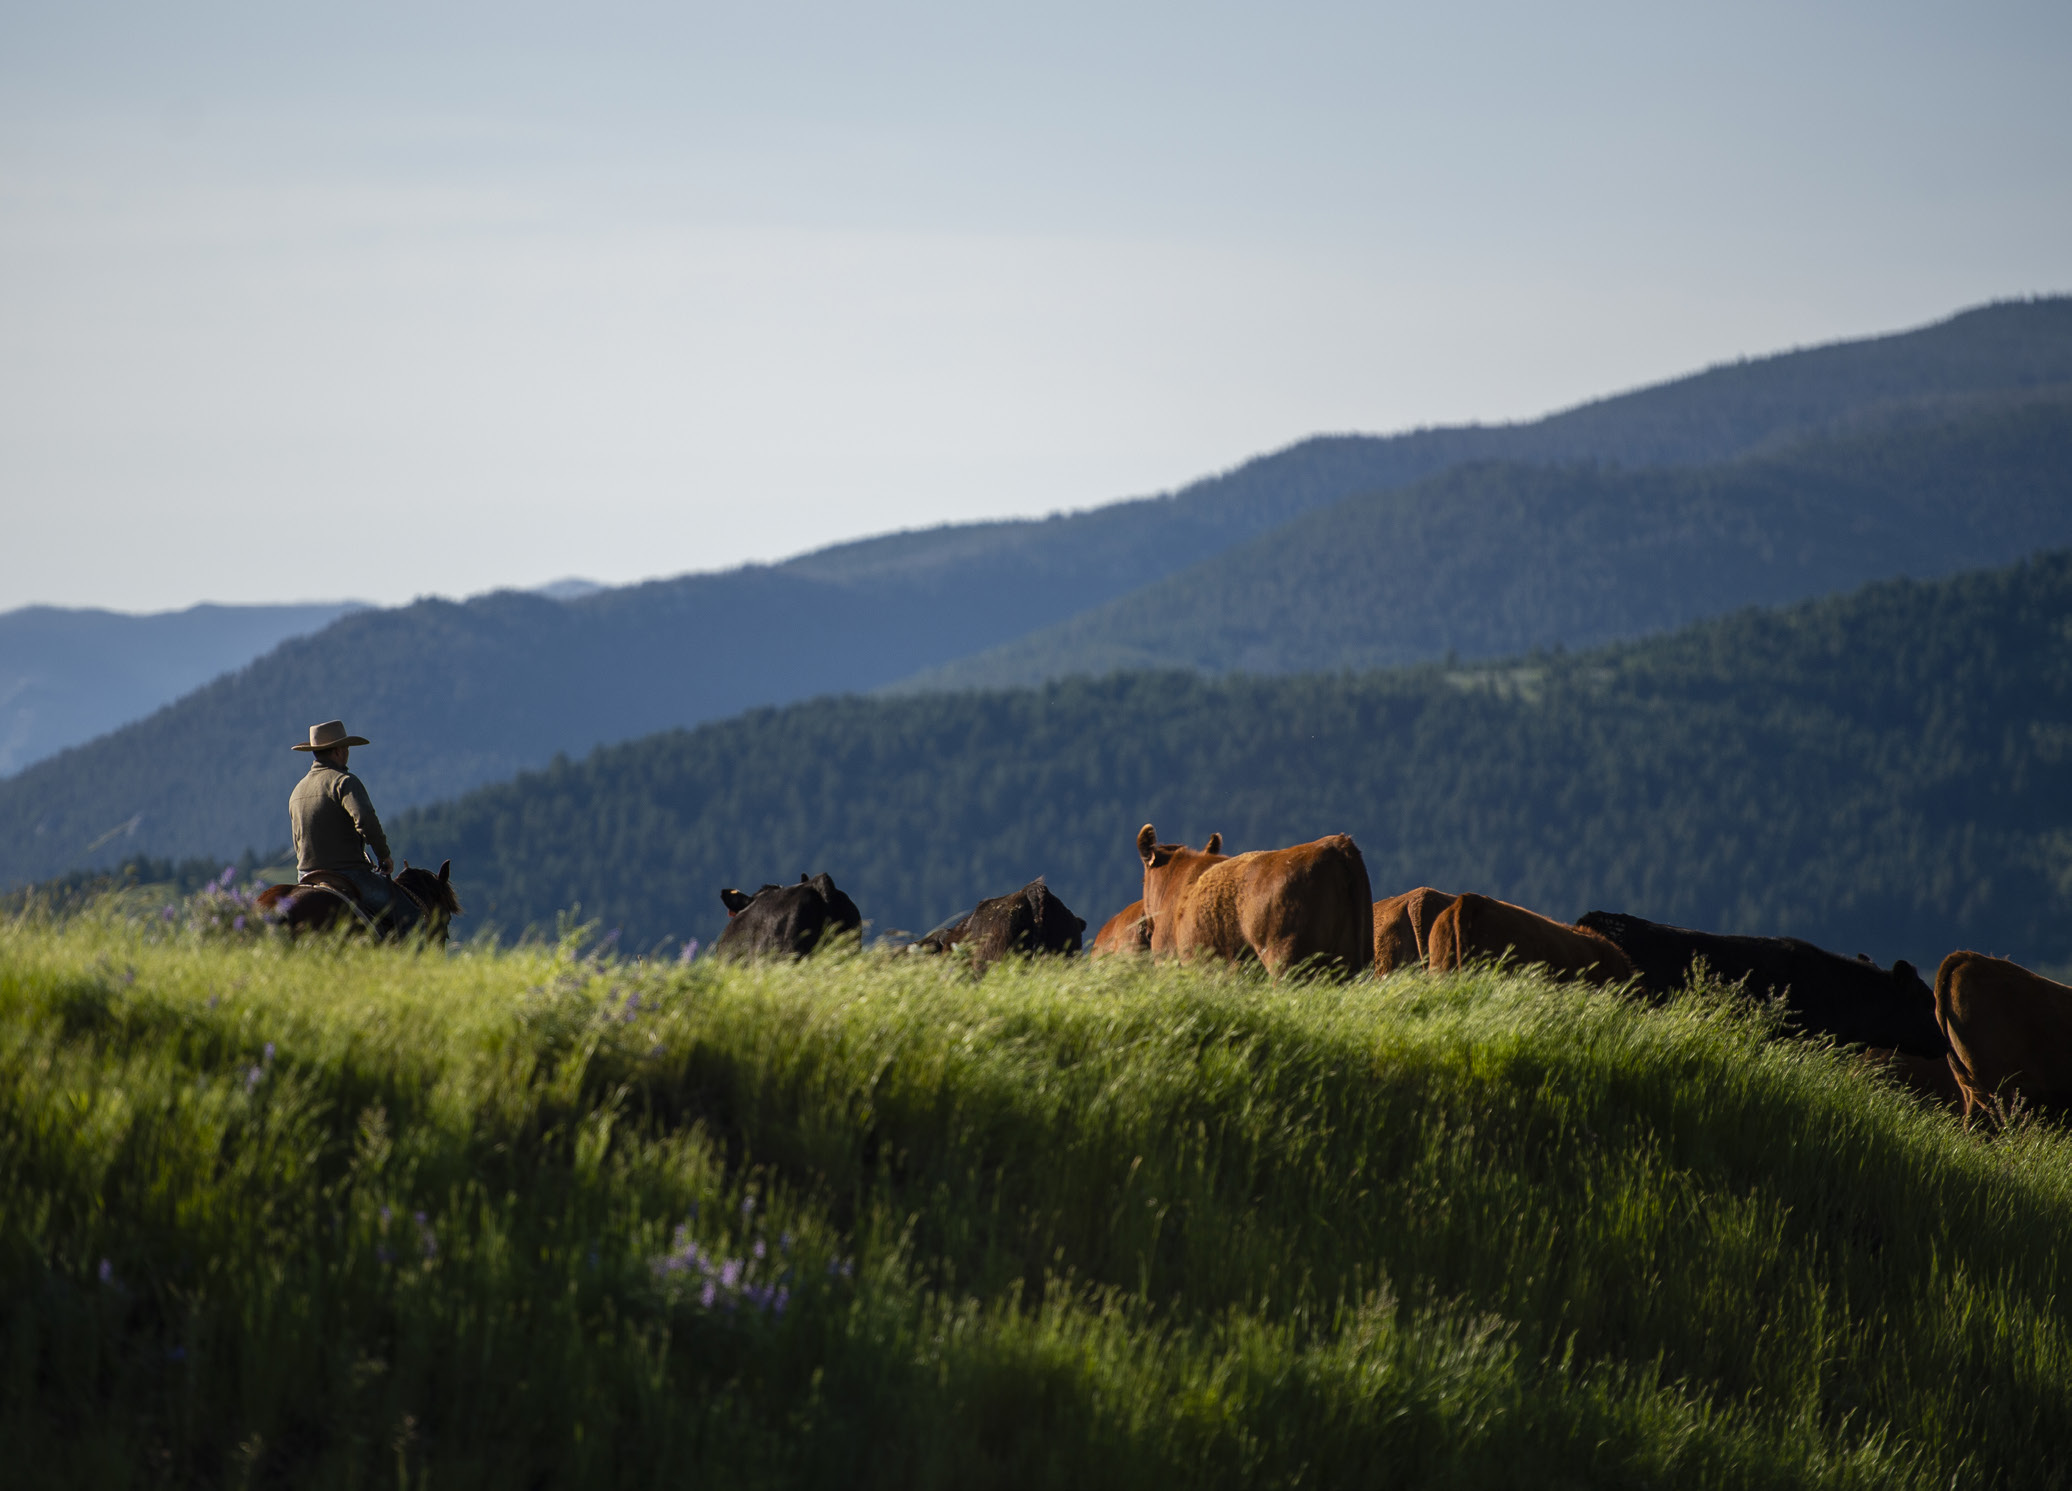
{"type": "Point", "coordinates": [1851, 999]}
{"type": "Point", "coordinates": [1128, 931]}
{"type": "Point", "coordinates": [1480, 928]}
{"type": "Point", "coordinates": [2009, 1031]}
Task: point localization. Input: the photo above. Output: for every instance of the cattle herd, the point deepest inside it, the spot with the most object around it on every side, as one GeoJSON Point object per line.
{"type": "Point", "coordinates": [1989, 1034]}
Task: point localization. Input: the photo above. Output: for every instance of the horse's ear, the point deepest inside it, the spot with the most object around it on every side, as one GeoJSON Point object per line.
{"type": "Point", "coordinates": [734, 901]}
{"type": "Point", "coordinates": [445, 867]}
{"type": "Point", "coordinates": [1215, 844]}
{"type": "Point", "coordinates": [802, 877]}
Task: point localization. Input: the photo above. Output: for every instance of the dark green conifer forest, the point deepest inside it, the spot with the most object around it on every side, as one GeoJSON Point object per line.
{"type": "Point", "coordinates": [1885, 772]}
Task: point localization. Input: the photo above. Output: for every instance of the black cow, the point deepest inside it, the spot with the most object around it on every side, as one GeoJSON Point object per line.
{"type": "Point", "coordinates": [1032, 920]}
{"type": "Point", "coordinates": [785, 921]}
{"type": "Point", "coordinates": [1851, 999]}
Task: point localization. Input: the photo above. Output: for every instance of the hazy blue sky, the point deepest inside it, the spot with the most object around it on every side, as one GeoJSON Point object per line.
{"type": "Point", "coordinates": [377, 300]}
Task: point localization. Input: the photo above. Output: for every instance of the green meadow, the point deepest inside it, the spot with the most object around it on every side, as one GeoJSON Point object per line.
{"type": "Point", "coordinates": [336, 1215]}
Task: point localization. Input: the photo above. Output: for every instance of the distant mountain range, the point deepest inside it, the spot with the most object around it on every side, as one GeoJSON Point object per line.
{"type": "Point", "coordinates": [69, 675]}
{"type": "Point", "coordinates": [1883, 772]}
{"type": "Point", "coordinates": [1493, 558]}
{"type": "Point", "coordinates": [459, 694]}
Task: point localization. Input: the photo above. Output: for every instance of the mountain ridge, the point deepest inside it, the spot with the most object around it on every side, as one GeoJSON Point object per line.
{"type": "Point", "coordinates": [458, 694]}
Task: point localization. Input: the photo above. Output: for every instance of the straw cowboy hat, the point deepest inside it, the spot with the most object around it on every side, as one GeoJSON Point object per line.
{"type": "Point", "coordinates": [329, 735]}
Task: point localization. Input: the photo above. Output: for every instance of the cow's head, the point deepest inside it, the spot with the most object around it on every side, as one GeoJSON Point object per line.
{"type": "Point", "coordinates": [1170, 868]}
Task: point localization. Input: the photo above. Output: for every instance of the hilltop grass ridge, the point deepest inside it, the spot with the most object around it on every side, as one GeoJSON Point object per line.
{"type": "Point", "coordinates": [329, 1214]}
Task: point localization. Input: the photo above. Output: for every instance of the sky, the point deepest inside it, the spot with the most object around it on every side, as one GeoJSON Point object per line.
{"type": "Point", "coordinates": [303, 302]}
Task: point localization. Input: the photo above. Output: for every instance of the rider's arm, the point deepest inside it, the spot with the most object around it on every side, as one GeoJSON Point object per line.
{"type": "Point", "coordinates": [352, 796]}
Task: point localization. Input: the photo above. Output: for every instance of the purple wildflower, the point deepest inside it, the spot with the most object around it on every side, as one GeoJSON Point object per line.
{"type": "Point", "coordinates": [707, 1295]}
{"type": "Point", "coordinates": [253, 1077]}
{"type": "Point", "coordinates": [238, 925]}
{"type": "Point", "coordinates": [384, 1216]}
{"type": "Point", "coordinates": [777, 1305]}
{"type": "Point", "coordinates": [167, 913]}
{"type": "Point", "coordinates": [229, 874]}
{"type": "Point", "coordinates": [107, 1272]}
{"type": "Point", "coordinates": [267, 1055]}
{"type": "Point", "coordinates": [759, 1250]}
{"type": "Point", "coordinates": [690, 951]}
{"type": "Point", "coordinates": [730, 1273]}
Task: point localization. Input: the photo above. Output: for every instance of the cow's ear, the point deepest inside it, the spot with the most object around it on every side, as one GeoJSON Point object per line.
{"type": "Point", "coordinates": [1214, 846]}
{"type": "Point", "coordinates": [802, 877]}
{"type": "Point", "coordinates": [734, 901]}
{"type": "Point", "coordinates": [445, 869]}
{"type": "Point", "coordinates": [1147, 846]}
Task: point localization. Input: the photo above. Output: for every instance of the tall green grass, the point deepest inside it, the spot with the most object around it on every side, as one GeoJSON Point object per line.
{"type": "Point", "coordinates": [349, 1216]}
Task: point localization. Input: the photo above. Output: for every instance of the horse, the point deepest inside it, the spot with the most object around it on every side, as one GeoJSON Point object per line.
{"type": "Point", "coordinates": [426, 907]}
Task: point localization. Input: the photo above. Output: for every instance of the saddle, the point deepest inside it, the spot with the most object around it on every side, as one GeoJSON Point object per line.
{"type": "Point", "coordinates": [402, 912]}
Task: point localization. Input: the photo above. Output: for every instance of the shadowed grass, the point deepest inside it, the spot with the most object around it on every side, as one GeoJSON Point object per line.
{"type": "Point", "coordinates": [347, 1216]}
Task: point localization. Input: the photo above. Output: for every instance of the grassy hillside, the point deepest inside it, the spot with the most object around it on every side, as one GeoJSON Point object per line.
{"type": "Point", "coordinates": [69, 675]}
{"type": "Point", "coordinates": [1494, 559]}
{"type": "Point", "coordinates": [332, 1217]}
{"type": "Point", "coordinates": [1884, 772]}
{"type": "Point", "coordinates": [459, 695]}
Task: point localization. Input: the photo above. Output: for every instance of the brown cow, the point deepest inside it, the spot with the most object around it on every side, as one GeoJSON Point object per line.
{"type": "Point", "coordinates": [1285, 907]}
{"type": "Point", "coordinates": [1476, 927]}
{"type": "Point", "coordinates": [1128, 931]}
{"type": "Point", "coordinates": [1169, 869]}
{"type": "Point", "coordinates": [1403, 928]}
{"type": "Point", "coordinates": [2010, 1032]}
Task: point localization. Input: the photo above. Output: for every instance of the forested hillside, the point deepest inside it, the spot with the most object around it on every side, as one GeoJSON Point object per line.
{"type": "Point", "coordinates": [1883, 772]}
{"type": "Point", "coordinates": [69, 675]}
{"type": "Point", "coordinates": [456, 695]}
{"type": "Point", "coordinates": [1498, 558]}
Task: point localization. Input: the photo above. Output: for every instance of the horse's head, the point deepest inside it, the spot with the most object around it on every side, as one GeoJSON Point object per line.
{"type": "Point", "coordinates": [434, 893]}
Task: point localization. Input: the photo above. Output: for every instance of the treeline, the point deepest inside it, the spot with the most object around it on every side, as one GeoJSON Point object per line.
{"type": "Point", "coordinates": [1882, 772]}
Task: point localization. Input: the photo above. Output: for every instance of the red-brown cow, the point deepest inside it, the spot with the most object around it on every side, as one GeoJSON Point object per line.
{"type": "Point", "coordinates": [1475, 928]}
{"type": "Point", "coordinates": [1403, 928]}
{"type": "Point", "coordinates": [2010, 1032]}
{"type": "Point", "coordinates": [1309, 904]}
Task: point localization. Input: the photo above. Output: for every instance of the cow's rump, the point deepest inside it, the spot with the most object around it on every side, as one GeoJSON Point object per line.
{"type": "Point", "coordinates": [1403, 927]}
{"type": "Point", "coordinates": [1305, 905]}
{"type": "Point", "coordinates": [2010, 1031]}
{"type": "Point", "coordinates": [1479, 928]}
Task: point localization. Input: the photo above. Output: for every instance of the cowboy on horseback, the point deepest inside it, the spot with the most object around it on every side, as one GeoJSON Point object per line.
{"type": "Point", "coordinates": [334, 824]}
